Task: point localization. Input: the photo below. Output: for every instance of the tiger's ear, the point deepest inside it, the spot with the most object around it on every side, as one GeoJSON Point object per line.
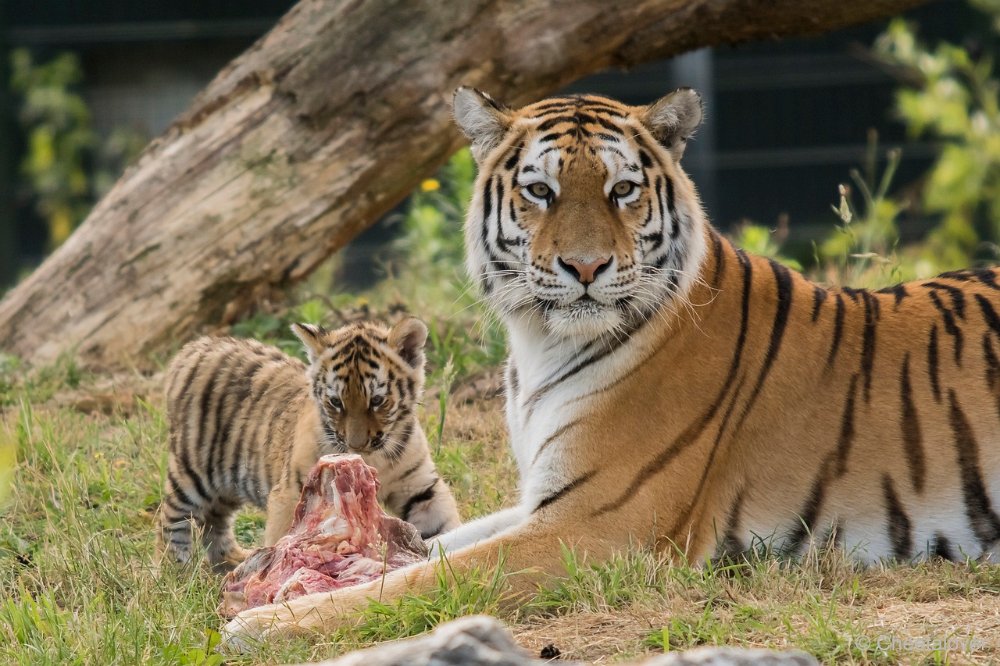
{"type": "Point", "coordinates": [672, 119]}
{"type": "Point", "coordinates": [312, 339]}
{"type": "Point", "coordinates": [408, 338]}
{"type": "Point", "coordinates": [481, 119]}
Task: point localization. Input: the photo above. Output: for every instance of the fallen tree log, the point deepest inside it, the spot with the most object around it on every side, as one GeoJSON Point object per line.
{"type": "Point", "coordinates": [316, 131]}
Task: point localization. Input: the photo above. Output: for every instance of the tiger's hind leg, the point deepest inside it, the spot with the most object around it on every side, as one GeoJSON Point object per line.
{"type": "Point", "coordinates": [223, 550]}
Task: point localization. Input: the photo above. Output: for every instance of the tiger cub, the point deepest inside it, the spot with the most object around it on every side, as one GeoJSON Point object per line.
{"type": "Point", "coordinates": [247, 422]}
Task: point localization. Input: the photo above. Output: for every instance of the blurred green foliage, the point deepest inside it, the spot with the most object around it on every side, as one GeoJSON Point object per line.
{"type": "Point", "coordinates": [432, 227]}
{"type": "Point", "coordinates": [429, 276]}
{"type": "Point", "coordinates": [765, 242]}
{"type": "Point", "coordinates": [953, 99]}
{"type": "Point", "coordinates": [67, 166]}
{"type": "Point", "coordinates": [862, 248]}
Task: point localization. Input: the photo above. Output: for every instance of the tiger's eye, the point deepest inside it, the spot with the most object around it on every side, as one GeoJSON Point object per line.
{"type": "Point", "coordinates": [540, 190]}
{"type": "Point", "coordinates": [377, 401]}
{"type": "Point", "coordinates": [335, 403]}
{"type": "Point", "coordinates": [623, 188]}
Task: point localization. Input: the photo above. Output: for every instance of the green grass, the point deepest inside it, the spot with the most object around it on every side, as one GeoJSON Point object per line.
{"type": "Point", "coordinates": [79, 582]}
{"type": "Point", "coordinates": [457, 595]}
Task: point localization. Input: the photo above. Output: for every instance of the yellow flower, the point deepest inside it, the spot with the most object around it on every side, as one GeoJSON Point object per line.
{"type": "Point", "coordinates": [60, 225]}
{"type": "Point", "coordinates": [430, 185]}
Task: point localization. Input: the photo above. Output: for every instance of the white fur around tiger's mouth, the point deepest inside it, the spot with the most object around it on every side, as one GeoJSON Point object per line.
{"type": "Point", "coordinates": [584, 317]}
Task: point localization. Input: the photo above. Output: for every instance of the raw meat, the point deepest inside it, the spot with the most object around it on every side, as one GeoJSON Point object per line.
{"type": "Point", "coordinates": [339, 537]}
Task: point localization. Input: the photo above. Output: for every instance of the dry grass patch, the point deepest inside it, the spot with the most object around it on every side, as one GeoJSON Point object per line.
{"type": "Point", "coordinates": [594, 636]}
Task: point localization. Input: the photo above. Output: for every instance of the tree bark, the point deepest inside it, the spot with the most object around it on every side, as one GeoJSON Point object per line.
{"type": "Point", "coordinates": [316, 131]}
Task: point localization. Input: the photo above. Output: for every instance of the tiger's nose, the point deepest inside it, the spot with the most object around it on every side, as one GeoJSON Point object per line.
{"type": "Point", "coordinates": [584, 271]}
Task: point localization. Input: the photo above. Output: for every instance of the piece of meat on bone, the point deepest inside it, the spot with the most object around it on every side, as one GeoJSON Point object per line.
{"type": "Point", "coordinates": [339, 537]}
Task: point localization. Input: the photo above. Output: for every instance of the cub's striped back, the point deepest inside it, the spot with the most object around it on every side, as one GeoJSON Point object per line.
{"type": "Point", "coordinates": [233, 407]}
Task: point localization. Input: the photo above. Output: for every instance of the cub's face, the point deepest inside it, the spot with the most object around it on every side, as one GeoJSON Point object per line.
{"type": "Point", "coordinates": [366, 381]}
{"type": "Point", "coordinates": [582, 216]}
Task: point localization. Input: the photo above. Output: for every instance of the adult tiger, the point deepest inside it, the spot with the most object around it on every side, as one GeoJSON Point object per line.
{"type": "Point", "coordinates": [666, 388]}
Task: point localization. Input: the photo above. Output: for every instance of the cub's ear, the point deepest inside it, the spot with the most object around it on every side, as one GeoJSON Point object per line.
{"type": "Point", "coordinates": [408, 338]}
{"type": "Point", "coordinates": [483, 120]}
{"type": "Point", "coordinates": [312, 339]}
{"type": "Point", "coordinates": [674, 118]}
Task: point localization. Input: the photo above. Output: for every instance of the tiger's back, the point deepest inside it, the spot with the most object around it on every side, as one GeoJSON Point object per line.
{"type": "Point", "coordinates": [866, 418]}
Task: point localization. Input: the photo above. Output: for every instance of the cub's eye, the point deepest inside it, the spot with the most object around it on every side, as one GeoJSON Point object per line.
{"type": "Point", "coordinates": [377, 401]}
{"type": "Point", "coordinates": [335, 403]}
{"type": "Point", "coordinates": [622, 189]}
{"type": "Point", "coordinates": [539, 191]}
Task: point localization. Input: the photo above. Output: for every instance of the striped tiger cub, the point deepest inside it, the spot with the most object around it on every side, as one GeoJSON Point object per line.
{"type": "Point", "coordinates": [247, 422]}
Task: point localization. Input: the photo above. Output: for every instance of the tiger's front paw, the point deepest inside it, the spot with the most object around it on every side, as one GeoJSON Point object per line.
{"type": "Point", "coordinates": [311, 613]}
{"type": "Point", "coordinates": [254, 626]}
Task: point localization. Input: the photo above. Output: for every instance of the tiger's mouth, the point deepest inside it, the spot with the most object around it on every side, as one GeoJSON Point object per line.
{"type": "Point", "coordinates": [583, 317]}
{"type": "Point", "coordinates": [586, 303]}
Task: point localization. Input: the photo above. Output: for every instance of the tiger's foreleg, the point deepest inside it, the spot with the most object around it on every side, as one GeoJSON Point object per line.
{"type": "Point", "coordinates": [529, 554]}
{"type": "Point", "coordinates": [478, 530]}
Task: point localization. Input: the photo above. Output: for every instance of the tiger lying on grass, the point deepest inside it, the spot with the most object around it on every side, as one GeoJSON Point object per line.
{"type": "Point", "coordinates": [248, 422]}
{"type": "Point", "coordinates": [666, 389]}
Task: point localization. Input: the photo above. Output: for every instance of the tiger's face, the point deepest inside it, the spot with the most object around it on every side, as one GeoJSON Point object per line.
{"type": "Point", "coordinates": [582, 216]}
{"type": "Point", "coordinates": [366, 381]}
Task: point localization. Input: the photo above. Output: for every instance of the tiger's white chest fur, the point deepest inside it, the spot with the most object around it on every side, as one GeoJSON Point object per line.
{"type": "Point", "coordinates": [551, 384]}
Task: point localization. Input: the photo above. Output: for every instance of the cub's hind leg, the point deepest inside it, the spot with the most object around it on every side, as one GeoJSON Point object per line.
{"type": "Point", "coordinates": [223, 550]}
{"type": "Point", "coordinates": [179, 517]}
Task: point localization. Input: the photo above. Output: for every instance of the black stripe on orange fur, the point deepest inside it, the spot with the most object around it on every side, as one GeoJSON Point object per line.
{"type": "Point", "coordinates": [868, 340]}
{"type": "Point", "coordinates": [909, 422]}
{"type": "Point", "coordinates": [932, 364]}
{"type": "Point", "coordinates": [982, 518]}
{"type": "Point", "coordinates": [949, 326]}
{"type": "Point", "coordinates": [838, 331]}
{"type": "Point", "coordinates": [812, 509]}
{"type": "Point", "coordinates": [784, 293]}
{"type": "Point", "coordinates": [690, 434]}
{"type": "Point", "coordinates": [819, 296]}
{"type": "Point", "coordinates": [565, 490]}
{"type": "Point", "coordinates": [553, 437]}
{"type": "Point", "coordinates": [899, 527]}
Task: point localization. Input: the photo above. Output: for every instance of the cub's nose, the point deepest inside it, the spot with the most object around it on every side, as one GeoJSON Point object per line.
{"type": "Point", "coordinates": [584, 271]}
